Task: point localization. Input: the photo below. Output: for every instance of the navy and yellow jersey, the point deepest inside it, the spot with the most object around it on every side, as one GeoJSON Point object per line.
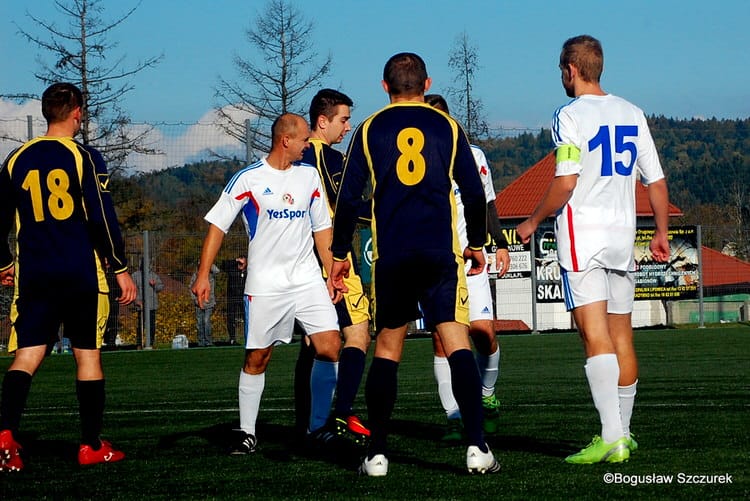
{"type": "Point", "coordinates": [330, 165]}
{"type": "Point", "coordinates": [410, 152]}
{"type": "Point", "coordinates": [56, 191]}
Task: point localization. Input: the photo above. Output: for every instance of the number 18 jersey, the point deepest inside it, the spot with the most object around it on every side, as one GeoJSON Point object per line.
{"type": "Point", "coordinates": [604, 140]}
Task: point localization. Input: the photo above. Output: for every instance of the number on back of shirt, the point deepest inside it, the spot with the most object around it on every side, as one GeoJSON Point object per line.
{"type": "Point", "coordinates": [59, 203]}
{"type": "Point", "coordinates": [622, 145]}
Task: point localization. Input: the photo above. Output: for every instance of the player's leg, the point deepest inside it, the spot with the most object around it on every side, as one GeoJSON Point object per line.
{"type": "Point", "coordinates": [252, 382]}
{"type": "Point", "coordinates": [268, 320]}
{"type": "Point", "coordinates": [620, 307]}
{"type": "Point", "coordinates": [354, 319]}
{"type": "Point", "coordinates": [323, 377]}
{"type": "Point", "coordinates": [442, 372]}
{"type": "Point", "coordinates": [380, 394]}
{"type": "Point", "coordinates": [589, 291]}
{"type": "Point", "coordinates": [302, 370]}
{"type": "Point", "coordinates": [317, 316]}
{"type": "Point", "coordinates": [482, 333]}
{"type": "Point", "coordinates": [351, 370]}
{"type": "Point", "coordinates": [85, 327]}
{"type": "Point", "coordinates": [15, 391]}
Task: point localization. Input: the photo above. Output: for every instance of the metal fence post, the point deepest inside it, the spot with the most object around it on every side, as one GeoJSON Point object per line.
{"type": "Point", "coordinates": [534, 323]}
{"type": "Point", "coordinates": [147, 306]}
{"type": "Point", "coordinates": [699, 246]}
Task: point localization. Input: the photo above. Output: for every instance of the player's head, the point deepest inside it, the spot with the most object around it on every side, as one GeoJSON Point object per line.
{"type": "Point", "coordinates": [437, 101]}
{"type": "Point", "coordinates": [290, 133]}
{"type": "Point", "coordinates": [330, 112]}
{"type": "Point", "coordinates": [405, 75]}
{"type": "Point", "coordinates": [585, 53]}
{"type": "Point", "coordinates": [60, 100]}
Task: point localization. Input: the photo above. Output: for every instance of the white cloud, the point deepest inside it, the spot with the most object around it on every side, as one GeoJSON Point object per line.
{"type": "Point", "coordinates": [177, 143]}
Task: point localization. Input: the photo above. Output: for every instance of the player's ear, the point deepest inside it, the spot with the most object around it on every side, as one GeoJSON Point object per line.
{"type": "Point", "coordinates": [427, 84]}
{"type": "Point", "coordinates": [385, 87]}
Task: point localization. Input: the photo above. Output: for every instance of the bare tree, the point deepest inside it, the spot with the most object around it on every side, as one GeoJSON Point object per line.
{"type": "Point", "coordinates": [281, 67]}
{"type": "Point", "coordinates": [464, 62]}
{"type": "Point", "coordinates": [81, 54]}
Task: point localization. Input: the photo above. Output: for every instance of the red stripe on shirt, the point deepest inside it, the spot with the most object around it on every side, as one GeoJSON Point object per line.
{"type": "Point", "coordinates": [572, 237]}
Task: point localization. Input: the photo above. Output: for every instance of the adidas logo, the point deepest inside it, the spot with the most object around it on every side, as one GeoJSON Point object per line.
{"type": "Point", "coordinates": [486, 310]}
{"type": "Point", "coordinates": [268, 191]}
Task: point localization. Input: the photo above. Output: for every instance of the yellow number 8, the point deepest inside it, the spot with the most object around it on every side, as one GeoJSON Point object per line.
{"type": "Point", "coordinates": [411, 165]}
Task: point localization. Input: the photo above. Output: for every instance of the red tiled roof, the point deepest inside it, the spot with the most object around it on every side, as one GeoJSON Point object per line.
{"type": "Point", "coordinates": [519, 199]}
{"type": "Point", "coordinates": [720, 269]}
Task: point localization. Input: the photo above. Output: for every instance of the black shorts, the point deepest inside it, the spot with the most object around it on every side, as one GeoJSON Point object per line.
{"type": "Point", "coordinates": [36, 318]}
{"type": "Point", "coordinates": [431, 280]}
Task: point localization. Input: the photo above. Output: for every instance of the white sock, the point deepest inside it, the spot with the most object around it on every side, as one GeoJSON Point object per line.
{"type": "Point", "coordinates": [443, 378]}
{"type": "Point", "coordinates": [251, 389]}
{"type": "Point", "coordinates": [489, 370]}
{"type": "Point", "coordinates": [322, 387]}
{"type": "Point", "coordinates": [602, 373]}
{"type": "Point", "coordinates": [627, 400]}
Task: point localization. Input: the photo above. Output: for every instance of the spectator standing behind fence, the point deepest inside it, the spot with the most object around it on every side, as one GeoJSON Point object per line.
{"type": "Point", "coordinates": [152, 289]}
{"type": "Point", "coordinates": [55, 191]}
{"type": "Point", "coordinates": [204, 311]}
{"type": "Point", "coordinates": [236, 270]}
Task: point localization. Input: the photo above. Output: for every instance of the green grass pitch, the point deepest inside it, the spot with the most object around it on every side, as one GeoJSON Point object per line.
{"type": "Point", "coordinates": [171, 412]}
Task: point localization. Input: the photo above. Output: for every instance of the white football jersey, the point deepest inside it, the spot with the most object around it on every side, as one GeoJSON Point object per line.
{"type": "Point", "coordinates": [597, 225]}
{"type": "Point", "coordinates": [489, 194]}
{"type": "Point", "coordinates": [280, 209]}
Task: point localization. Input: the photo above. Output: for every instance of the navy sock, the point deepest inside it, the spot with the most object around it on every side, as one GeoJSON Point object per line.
{"type": "Point", "coordinates": [351, 367]}
{"type": "Point", "coordinates": [467, 388]}
{"type": "Point", "coordinates": [302, 393]}
{"type": "Point", "coordinates": [16, 386]}
{"type": "Point", "coordinates": [380, 393]}
{"type": "Point", "coordinates": [91, 408]}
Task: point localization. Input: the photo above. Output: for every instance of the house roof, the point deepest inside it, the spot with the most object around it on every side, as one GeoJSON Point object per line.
{"type": "Point", "coordinates": [722, 270]}
{"type": "Point", "coordinates": [722, 274]}
{"type": "Point", "coordinates": [519, 199]}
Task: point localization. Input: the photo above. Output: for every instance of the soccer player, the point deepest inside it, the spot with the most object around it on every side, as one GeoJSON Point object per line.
{"type": "Point", "coordinates": [285, 213]}
{"type": "Point", "coordinates": [330, 114]}
{"type": "Point", "coordinates": [603, 145]}
{"type": "Point", "coordinates": [481, 317]}
{"type": "Point", "coordinates": [56, 192]}
{"type": "Point", "coordinates": [411, 152]}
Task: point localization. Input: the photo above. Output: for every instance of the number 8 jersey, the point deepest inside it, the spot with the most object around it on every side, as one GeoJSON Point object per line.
{"type": "Point", "coordinates": [57, 191]}
{"type": "Point", "coordinates": [605, 140]}
{"type": "Point", "coordinates": [410, 152]}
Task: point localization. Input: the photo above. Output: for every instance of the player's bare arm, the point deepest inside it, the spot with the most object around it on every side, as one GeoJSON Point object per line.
{"type": "Point", "coordinates": [323, 239]}
{"type": "Point", "coordinates": [339, 271]}
{"type": "Point", "coordinates": [658, 197]}
{"type": "Point", "coordinates": [559, 192]}
{"type": "Point", "coordinates": [211, 245]}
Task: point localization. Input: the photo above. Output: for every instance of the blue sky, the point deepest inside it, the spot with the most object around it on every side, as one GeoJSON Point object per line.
{"type": "Point", "coordinates": [679, 58]}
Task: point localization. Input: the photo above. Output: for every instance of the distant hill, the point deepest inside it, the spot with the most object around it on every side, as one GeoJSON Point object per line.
{"type": "Point", "coordinates": [707, 164]}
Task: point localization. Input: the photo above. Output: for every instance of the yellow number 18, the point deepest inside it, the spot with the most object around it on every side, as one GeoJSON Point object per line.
{"type": "Point", "coordinates": [60, 203]}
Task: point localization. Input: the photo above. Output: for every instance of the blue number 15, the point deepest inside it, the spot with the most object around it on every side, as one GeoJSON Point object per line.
{"type": "Point", "coordinates": [621, 146]}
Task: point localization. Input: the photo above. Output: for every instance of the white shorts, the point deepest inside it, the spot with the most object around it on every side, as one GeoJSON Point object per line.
{"type": "Point", "coordinates": [270, 319]}
{"type": "Point", "coordinates": [480, 297]}
{"type": "Point", "coordinates": [615, 287]}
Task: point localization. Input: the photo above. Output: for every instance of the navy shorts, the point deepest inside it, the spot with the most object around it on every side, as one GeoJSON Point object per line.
{"type": "Point", "coordinates": [431, 280]}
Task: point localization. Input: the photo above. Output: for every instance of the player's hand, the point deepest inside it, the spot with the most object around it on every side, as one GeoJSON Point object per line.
{"type": "Point", "coordinates": [8, 277]}
{"type": "Point", "coordinates": [502, 261]}
{"type": "Point", "coordinates": [476, 258]}
{"type": "Point", "coordinates": [333, 293]}
{"type": "Point", "coordinates": [339, 271]}
{"type": "Point", "coordinates": [659, 247]}
{"type": "Point", "coordinates": [202, 290]}
{"type": "Point", "coordinates": [127, 288]}
{"type": "Point", "coordinates": [525, 230]}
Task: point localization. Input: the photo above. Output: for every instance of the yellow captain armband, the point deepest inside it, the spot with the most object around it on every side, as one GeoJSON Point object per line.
{"type": "Point", "coordinates": [567, 152]}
